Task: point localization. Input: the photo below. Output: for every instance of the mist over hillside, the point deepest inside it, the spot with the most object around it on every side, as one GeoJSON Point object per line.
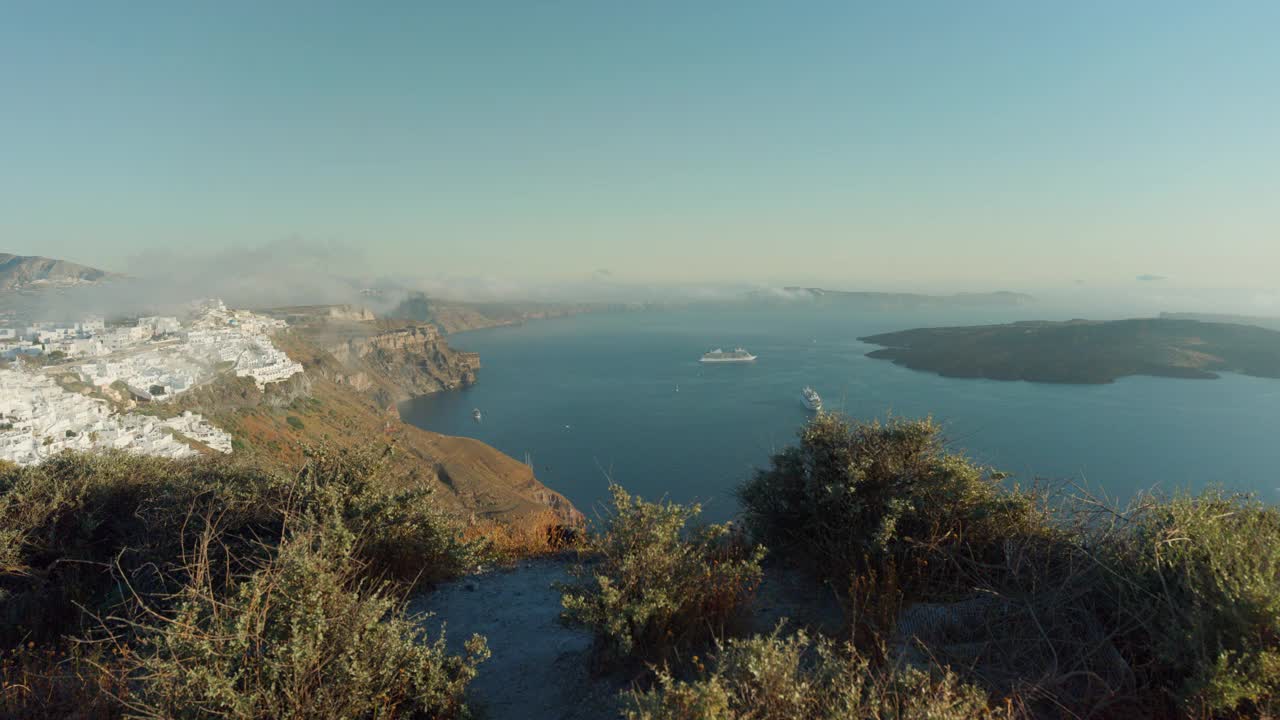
{"type": "Point", "coordinates": [30, 272]}
{"type": "Point", "coordinates": [299, 271]}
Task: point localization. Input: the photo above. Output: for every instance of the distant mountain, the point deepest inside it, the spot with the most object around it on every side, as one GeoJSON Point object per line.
{"type": "Point", "coordinates": [1271, 323]}
{"type": "Point", "coordinates": [1085, 351]}
{"type": "Point", "coordinates": [453, 316]}
{"type": "Point", "coordinates": [30, 272]}
{"type": "Point", "coordinates": [893, 301]}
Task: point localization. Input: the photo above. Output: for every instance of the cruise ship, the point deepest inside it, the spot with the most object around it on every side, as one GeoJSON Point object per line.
{"type": "Point", "coordinates": [811, 399]}
{"type": "Point", "coordinates": [720, 356]}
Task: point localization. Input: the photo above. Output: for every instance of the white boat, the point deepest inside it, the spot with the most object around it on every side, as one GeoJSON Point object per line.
{"type": "Point", "coordinates": [811, 399]}
{"type": "Point", "coordinates": [476, 414]}
{"type": "Point", "coordinates": [737, 355]}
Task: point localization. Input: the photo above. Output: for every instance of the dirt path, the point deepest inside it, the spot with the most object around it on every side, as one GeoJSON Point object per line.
{"type": "Point", "coordinates": [538, 670]}
{"type": "Point", "coordinates": [539, 667]}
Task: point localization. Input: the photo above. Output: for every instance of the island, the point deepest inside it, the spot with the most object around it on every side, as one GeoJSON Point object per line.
{"type": "Point", "coordinates": [879, 301]}
{"type": "Point", "coordinates": [1085, 351]}
{"type": "Point", "coordinates": [1271, 323]}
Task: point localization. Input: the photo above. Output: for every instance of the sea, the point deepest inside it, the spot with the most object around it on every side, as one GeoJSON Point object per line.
{"type": "Point", "coordinates": [621, 397]}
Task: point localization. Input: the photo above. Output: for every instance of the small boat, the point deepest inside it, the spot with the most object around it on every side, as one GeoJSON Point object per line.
{"type": "Point", "coordinates": [475, 413]}
{"type": "Point", "coordinates": [811, 399]}
{"type": "Point", "coordinates": [738, 355]}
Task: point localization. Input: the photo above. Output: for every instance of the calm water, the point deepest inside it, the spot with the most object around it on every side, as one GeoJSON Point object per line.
{"type": "Point", "coordinates": [594, 397]}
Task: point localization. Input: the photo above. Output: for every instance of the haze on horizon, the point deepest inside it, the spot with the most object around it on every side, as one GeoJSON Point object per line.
{"type": "Point", "coordinates": [962, 146]}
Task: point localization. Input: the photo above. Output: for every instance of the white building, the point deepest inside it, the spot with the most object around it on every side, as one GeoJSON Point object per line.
{"type": "Point", "coordinates": [160, 325]}
{"type": "Point", "coordinates": [91, 325]}
{"type": "Point", "coordinates": [39, 419]}
{"type": "Point", "coordinates": [77, 347]}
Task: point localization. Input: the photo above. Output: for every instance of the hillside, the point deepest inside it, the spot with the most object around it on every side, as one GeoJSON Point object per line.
{"type": "Point", "coordinates": [893, 301]}
{"type": "Point", "coordinates": [1262, 321]}
{"type": "Point", "coordinates": [29, 272]}
{"type": "Point", "coordinates": [355, 372]}
{"type": "Point", "coordinates": [1083, 351]}
{"type": "Point", "coordinates": [453, 316]}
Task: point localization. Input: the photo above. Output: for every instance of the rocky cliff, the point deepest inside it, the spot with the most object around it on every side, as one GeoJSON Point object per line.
{"type": "Point", "coordinates": [388, 361]}
{"type": "Point", "coordinates": [404, 362]}
{"type": "Point", "coordinates": [333, 406]}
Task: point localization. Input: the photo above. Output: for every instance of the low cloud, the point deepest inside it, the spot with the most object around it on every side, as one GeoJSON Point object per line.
{"type": "Point", "coordinates": [286, 272]}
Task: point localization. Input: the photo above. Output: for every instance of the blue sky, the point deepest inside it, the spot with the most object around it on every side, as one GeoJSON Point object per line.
{"type": "Point", "coordinates": [855, 144]}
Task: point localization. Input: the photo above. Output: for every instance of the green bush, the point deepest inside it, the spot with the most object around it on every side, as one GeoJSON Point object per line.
{"type": "Point", "coordinates": [303, 637]}
{"type": "Point", "coordinates": [1193, 586]}
{"type": "Point", "coordinates": [780, 678]}
{"type": "Point", "coordinates": [657, 589]}
{"type": "Point", "coordinates": [1170, 608]}
{"type": "Point", "coordinates": [295, 422]}
{"type": "Point", "coordinates": [855, 500]}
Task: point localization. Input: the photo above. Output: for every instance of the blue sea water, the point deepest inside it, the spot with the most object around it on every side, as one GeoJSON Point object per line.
{"type": "Point", "coordinates": [623, 396]}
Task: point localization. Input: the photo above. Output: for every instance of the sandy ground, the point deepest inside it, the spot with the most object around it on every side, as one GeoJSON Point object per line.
{"type": "Point", "coordinates": [539, 668]}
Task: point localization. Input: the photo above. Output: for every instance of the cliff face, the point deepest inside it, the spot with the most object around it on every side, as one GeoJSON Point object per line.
{"type": "Point", "coordinates": [389, 361]}
{"type": "Point", "coordinates": [402, 363]}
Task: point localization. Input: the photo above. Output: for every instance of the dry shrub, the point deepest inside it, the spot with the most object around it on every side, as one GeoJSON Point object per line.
{"type": "Point", "coordinates": [773, 677]}
{"type": "Point", "coordinates": [1029, 629]}
{"type": "Point", "coordinates": [39, 682]}
{"type": "Point", "coordinates": [403, 534]}
{"type": "Point", "coordinates": [543, 533]}
{"type": "Point", "coordinates": [303, 637]}
{"type": "Point", "coordinates": [145, 550]}
{"type": "Point", "coordinates": [75, 524]}
{"type": "Point", "coordinates": [1170, 608]}
{"type": "Point", "coordinates": [1193, 588]}
{"type": "Point", "coordinates": [657, 589]}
